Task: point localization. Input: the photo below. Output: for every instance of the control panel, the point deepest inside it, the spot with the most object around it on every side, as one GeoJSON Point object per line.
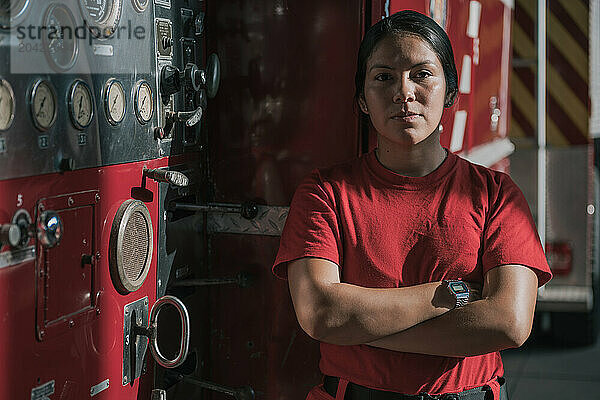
{"type": "Point", "coordinates": [93, 83]}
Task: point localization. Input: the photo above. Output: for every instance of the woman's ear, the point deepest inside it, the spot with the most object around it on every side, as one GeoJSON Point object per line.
{"type": "Point", "coordinates": [450, 98]}
{"type": "Point", "coordinates": [363, 105]}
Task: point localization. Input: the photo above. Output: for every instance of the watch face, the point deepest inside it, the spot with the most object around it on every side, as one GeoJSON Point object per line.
{"type": "Point", "coordinates": [458, 287]}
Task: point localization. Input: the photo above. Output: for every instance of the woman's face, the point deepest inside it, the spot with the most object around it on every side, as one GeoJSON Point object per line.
{"type": "Point", "coordinates": [405, 89]}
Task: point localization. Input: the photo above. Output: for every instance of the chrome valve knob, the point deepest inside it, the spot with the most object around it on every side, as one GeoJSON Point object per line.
{"type": "Point", "coordinates": [49, 228]}
{"type": "Point", "coordinates": [10, 234]}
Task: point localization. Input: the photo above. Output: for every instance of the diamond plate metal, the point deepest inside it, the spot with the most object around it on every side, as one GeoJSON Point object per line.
{"type": "Point", "coordinates": [269, 221]}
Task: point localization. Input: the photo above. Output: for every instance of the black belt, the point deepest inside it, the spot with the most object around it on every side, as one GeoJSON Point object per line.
{"type": "Point", "coordinates": [358, 392]}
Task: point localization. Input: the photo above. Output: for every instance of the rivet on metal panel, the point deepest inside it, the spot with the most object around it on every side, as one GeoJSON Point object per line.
{"type": "Point", "coordinates": [97, 197]}
{"type": "Point", "coordinates": [97, 255]}
{"type": "Point", "coordinates": [127, 311]}
{"type": "Point", "coordinates": [97, 311]}
{"type": "Point", "coordinates": [146, 302]}
{"type": "Point", "coordinates": [70, 201]}
{"type": "Point", "coordinates": [124, 380]}
{"type": "Point", "coordinates": [71, 323]}
{"type": "Point", "coordinates": [42, 334]}
{"type": "Point", "coordinates": [159, 283]}
{"type": "Point", "coordinates": [591, 209]}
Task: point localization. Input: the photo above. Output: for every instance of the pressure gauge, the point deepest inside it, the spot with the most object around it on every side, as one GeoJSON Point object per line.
{"type": "Point", "coordinates": [43, 105]}
{"type": "Point", "coordinates": [114, 101]}
{"type": "Point", "coordinates": [7, 105]}
{"type": "Point", "coordinates": [103, 15]}
{"type": "Point", "coordinates": [81, 106]}
{"type": "Point", "coordinates": [59, 43]}
{"type": "Point", "coordinates": [144, 102]}
{"type": "Point", "coordinates": [12, 13]}
{"type": "Point", "coordinates": [140, 5]}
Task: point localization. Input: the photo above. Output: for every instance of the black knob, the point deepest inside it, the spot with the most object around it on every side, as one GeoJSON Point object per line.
{"type": "Point", "coordinates": [66, 164]}
{"type": "Point", "coordinates": [249, 210]}
{"type": "Point", "coordinates": [170, 80]}
{"type": "Point", "coordinates": [213, 75]}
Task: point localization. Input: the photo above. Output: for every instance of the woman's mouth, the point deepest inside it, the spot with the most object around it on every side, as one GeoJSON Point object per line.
{"type": "Point", "coordinates": [406, 117]}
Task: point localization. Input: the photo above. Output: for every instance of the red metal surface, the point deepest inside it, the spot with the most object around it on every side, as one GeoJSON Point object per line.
{"type": "Point", "coordinates": [285, 106]}
{"type": "Point", "coordinates": [486, 71]}
{"type": "Point", "coordinates": [84, 353]}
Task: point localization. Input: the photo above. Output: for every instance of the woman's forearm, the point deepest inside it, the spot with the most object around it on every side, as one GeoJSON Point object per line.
{"type": "Point", "coordinates": [502, 319]}
{"type": "Point", "coordinates": [471, 330]}
{"type": "Point", "coordinates": [353, 315]}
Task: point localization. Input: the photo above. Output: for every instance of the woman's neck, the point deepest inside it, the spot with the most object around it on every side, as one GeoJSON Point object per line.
{"type": "Point", "coordinates": [411, 160]}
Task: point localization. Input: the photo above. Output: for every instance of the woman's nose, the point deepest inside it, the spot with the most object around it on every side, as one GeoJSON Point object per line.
{"type": "Point", "coordinates": [404, 91]}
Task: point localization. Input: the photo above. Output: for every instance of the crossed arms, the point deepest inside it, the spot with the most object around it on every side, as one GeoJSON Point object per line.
{"type": "Point", "coordinates": [415, 319]}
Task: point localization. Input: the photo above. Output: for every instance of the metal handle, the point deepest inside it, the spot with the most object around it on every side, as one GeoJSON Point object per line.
{"type": "Point", "coordinates": [185, 332]}
{"type": "Point", "coordinates": [165, 175]}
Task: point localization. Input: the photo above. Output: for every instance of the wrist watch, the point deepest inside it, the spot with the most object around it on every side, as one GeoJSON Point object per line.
{"type": "Point", "coordinates": [460, 291]}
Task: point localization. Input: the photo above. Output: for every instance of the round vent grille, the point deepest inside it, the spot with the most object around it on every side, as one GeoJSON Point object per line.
{"type": "Point", "coordinates": [130, 246]}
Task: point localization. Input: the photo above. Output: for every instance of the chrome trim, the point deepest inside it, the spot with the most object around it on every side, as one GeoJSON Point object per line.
{"type": "Point", "coordinates": [15, 257]}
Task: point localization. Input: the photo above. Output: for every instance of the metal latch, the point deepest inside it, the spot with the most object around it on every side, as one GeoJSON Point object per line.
{"type": "Point", "coordinates": [139, 332]}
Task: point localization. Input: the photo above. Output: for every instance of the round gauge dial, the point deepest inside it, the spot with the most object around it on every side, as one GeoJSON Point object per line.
{"type": "Point", "coordinates": [81, 106]}
{"type": "Point", "coordinates": [144, 102]}
{"type": "Point", "coordinates": [59, 41]}
{"type": "Point", "coordinates": [114, 101]}
{"type": "Point", "coordinates": [140, 5]}
{"type": "Point", "coordinates": [7, 105]}
{"type": "Point", "coordinates": [43, 105]}
{"type": "Point", "coordinates": [103, 15]}
{"type": "Point", "coordinates": [12, 12]}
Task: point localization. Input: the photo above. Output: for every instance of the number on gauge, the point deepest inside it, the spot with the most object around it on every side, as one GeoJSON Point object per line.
{"type": "Point", "coordinates": [7, 105]}
{"type": "Point", "coordinates": [144, 102]}
{"type": "Point", "coordinates": [43, 105]}
{"type": "Point", "coordinates": [81, 106]}
{"type": "Point", "coordinates": [114, 101]}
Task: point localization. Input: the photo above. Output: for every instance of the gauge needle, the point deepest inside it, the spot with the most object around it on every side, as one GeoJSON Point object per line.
{"type": "Point", "coordinates": [41, 106]}
{"type": "Point", "coordinates": [143, 101]}
{"type": "Point", "coordinates": [112, 108]}
{"type": "Point", "coordinates": [80, 107]}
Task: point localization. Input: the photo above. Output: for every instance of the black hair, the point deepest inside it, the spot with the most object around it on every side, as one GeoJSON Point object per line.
{"type": "Point", "coordinates": [409, 22]}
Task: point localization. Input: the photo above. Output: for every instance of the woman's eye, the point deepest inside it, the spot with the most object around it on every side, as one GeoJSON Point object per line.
{"type": "Point", "coordinates": [382, 77]}
{"type": "Point", "coordinates": [422, 74]}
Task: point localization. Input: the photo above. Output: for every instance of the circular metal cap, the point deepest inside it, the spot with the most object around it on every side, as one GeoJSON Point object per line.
{"type": "Point", "coordinates": [130, 246]}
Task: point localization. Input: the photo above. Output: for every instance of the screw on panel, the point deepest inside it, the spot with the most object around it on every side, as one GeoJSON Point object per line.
{"type": "Point", "coordinates": [97, 311]}
{"type": "Point", "coordinates": [70, 201]}
{"type": "Point", "coordinates": [124, 380]}
{"type": "Point", "coordinates": [97, 255]}
{"type": "Point", "coordinates": [97, 197]}
{"type": "Point", "coordinates": [71, 323]}
{"type": "Point", "coordinates": [146, 302]}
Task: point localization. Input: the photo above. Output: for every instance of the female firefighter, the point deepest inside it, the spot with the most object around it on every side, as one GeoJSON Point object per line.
{"type": "Point", "coordinates": [384, 254]}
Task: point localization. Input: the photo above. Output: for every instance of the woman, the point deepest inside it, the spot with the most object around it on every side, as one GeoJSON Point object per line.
{"type": "Point", "coordinates": [384, 254]}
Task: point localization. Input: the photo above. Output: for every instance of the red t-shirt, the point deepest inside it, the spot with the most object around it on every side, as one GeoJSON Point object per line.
{"type": "Point", "coordinates": [387, 230]}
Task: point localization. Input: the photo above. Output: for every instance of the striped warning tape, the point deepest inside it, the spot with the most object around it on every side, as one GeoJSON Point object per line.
{"type": "Point", "coordinates": [567, 72]}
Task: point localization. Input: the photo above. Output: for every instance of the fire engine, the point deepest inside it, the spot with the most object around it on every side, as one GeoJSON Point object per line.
{"type": "Point", "coordinates": [149, 150]}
